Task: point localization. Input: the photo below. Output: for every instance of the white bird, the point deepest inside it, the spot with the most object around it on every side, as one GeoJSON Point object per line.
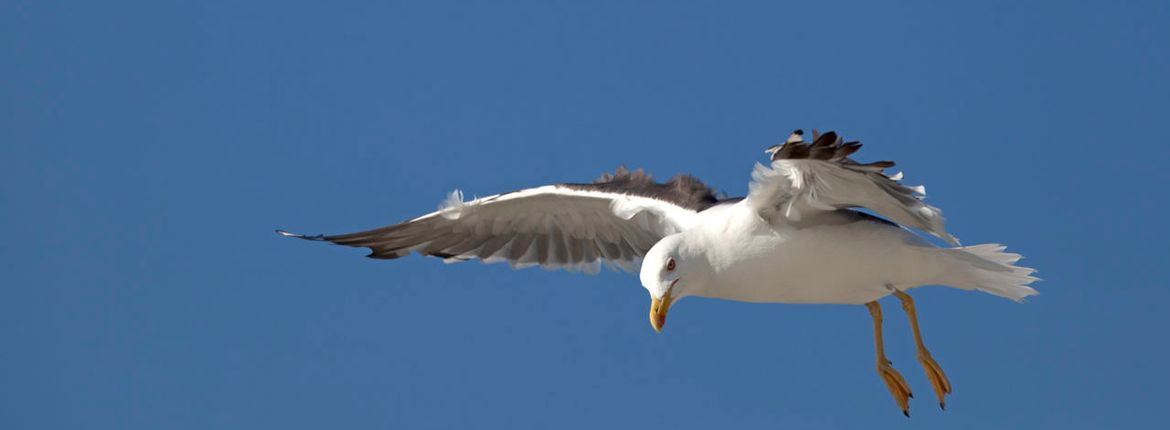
{"type": "Point", "coordinates": [795, 238]}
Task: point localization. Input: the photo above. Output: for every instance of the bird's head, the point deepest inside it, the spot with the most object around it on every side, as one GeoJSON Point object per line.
{"type": "Point", "coordinates": [670, 271]}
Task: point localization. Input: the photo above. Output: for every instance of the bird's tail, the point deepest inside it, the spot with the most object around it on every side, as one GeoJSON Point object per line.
{"type": "Point", "coordinates": [988, 268]}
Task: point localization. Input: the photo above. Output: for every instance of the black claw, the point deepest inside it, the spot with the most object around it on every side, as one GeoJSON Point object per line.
{"type": "Point", "coordinates": [942, 405]}
{"type": "Point", "coordinates": [906, 413]}
{"type": "Point", "coordinates": [911, 395]}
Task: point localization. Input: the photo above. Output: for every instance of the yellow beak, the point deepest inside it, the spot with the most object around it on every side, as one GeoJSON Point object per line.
{"type": "Point", "coordinates": [658, 308]}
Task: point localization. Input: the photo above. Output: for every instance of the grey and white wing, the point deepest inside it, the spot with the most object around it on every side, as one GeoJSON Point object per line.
{"type": "Point", "coordinates": [566, 226]}
{"type": "Point", "coordinates": [820, 176]}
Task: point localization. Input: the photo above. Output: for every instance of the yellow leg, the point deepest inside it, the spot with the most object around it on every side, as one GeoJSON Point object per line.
{"type": "Point", "coordinates": [894, 381]}
{"type": "Point", "coordinates": [938, 379]}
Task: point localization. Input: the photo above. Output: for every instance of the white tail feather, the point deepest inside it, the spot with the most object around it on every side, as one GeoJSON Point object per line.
{"type": "Point", "coordinates": [988, 268]}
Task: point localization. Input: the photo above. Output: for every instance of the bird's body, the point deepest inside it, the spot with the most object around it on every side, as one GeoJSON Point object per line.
{"type": "Point", "coordinates": [795, 238]}
{"type": "Point", "coordinates": [841, 257]}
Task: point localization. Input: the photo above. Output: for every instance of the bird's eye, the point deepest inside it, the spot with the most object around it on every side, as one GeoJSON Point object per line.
{"type": "Point", "coordinates": [669, 264]}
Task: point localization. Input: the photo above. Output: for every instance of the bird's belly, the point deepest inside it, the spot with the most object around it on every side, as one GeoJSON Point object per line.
{"type": "Point", "coordinates": [832, 264]}
{"type": "Point", "coordinates": [784, 285]}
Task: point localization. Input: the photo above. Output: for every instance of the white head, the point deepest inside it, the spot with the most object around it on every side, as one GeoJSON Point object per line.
{"type": "Point", "coordinates": [671, 270]}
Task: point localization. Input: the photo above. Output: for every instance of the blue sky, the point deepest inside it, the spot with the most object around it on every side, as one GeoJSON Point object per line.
{"type": "Point", "coordinates": [148, 149]}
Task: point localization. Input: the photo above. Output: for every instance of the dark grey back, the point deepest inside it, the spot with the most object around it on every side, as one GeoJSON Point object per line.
{"type": "Point", "coordinates": [683, 190]}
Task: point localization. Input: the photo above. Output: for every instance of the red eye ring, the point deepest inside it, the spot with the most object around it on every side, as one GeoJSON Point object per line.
{"type": "Point", "coordinates": [670, 265]}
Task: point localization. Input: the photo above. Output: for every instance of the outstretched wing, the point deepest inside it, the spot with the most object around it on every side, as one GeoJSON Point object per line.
{"type": "Point", "coordinates": [614, 220]}
{"type": "Point", "coordinates": [820, 176]}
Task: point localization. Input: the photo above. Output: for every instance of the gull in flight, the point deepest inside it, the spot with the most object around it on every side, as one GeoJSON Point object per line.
{"type": "Point", "coordinates": [795, 238]}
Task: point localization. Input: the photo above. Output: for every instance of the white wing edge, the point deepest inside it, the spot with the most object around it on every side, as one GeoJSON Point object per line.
{"type": "Point", "coordinates": [624, 206]}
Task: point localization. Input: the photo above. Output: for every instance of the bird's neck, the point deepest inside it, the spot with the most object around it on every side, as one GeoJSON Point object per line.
{"type": "Point", "coordinates": [696, 248]}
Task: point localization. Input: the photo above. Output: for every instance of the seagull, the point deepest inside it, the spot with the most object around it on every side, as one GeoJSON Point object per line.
{"type": "Point", "coordinates": [797, 237]}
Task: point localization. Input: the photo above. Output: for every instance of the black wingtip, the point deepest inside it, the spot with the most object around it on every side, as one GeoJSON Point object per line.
{"type": "Point", "coordinates": [317, 238]}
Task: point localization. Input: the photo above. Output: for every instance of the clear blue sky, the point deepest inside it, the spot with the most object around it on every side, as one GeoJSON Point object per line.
{"type": "Point", "coordinates": [148, 149]}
